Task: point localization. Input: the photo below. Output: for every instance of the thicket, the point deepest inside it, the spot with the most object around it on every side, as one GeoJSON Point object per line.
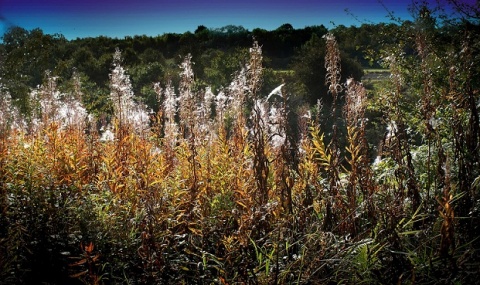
{"type": "Point", "coordinates": [238, 186]}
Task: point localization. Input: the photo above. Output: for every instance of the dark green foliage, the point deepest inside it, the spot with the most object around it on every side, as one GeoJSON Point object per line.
{"type": "Point", "coordinates": [27, 55]}
{"type": "Point", "coordinates": [218, 53]}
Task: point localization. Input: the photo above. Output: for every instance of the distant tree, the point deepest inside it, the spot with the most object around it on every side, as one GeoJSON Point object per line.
{"type": "Point", "coordinates": [285, 27]}
{"type": "Point", "coordinates": [142, 77]}
{"type": "Point", "coordinates": [284, 35]}
{"type": "Point", "coordinates": [201, 29]}
{"type": "Point", "coordinates": [219, 66]}
{"type": "Point", "coordinates": [151, 55]}
{"type": "Point", "coordinates": [231, 30]}
{"type": "Point", "coordinates": [28, 54]}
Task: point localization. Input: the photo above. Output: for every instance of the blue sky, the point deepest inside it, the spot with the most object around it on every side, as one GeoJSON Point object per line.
{"type": "Point", "coordinates": [119, 18]}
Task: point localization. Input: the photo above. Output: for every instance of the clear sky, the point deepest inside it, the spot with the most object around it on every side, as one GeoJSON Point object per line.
{"type": "Point", "coordinates": [119, 18]}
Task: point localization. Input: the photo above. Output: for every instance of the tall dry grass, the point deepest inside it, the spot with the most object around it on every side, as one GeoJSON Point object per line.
{"type": "Point", "coordinates": [236, 187]}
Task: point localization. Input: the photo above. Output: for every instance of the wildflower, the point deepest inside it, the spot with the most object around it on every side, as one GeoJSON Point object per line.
{"type": "Point", "coordinates": [277, 91]}
{"type": "Point", "coordinates": [126, 109]}
{"type": "Point", "coordinates": [107, 135]}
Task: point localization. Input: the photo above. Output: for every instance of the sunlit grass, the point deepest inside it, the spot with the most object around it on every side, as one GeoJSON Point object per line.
{"type": "Point", "coordinates": [236, 187]}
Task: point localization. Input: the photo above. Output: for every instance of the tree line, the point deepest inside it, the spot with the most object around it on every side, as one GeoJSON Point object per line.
{"type": "Point", "coordinates": [291, 55]}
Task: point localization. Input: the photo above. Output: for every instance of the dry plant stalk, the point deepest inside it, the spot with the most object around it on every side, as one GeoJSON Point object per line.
{"type": "Point", "coordinates": [447, 230]}
{"type": "Point", "coordinates": [334, 203]}
{"type": "Point", "coordinates": [360, 172]}
{"type": "Point", "coordinates": [258, 140]}
{"type": "Point", "coordinates": [398, 139]}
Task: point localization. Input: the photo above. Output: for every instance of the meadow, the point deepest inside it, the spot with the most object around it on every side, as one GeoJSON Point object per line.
{"type": "Point", "coordinates": [242, 187]}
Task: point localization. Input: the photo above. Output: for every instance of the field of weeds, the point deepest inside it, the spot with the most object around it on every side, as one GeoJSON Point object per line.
{"type": "Point", "coordinates": [240, 187]}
